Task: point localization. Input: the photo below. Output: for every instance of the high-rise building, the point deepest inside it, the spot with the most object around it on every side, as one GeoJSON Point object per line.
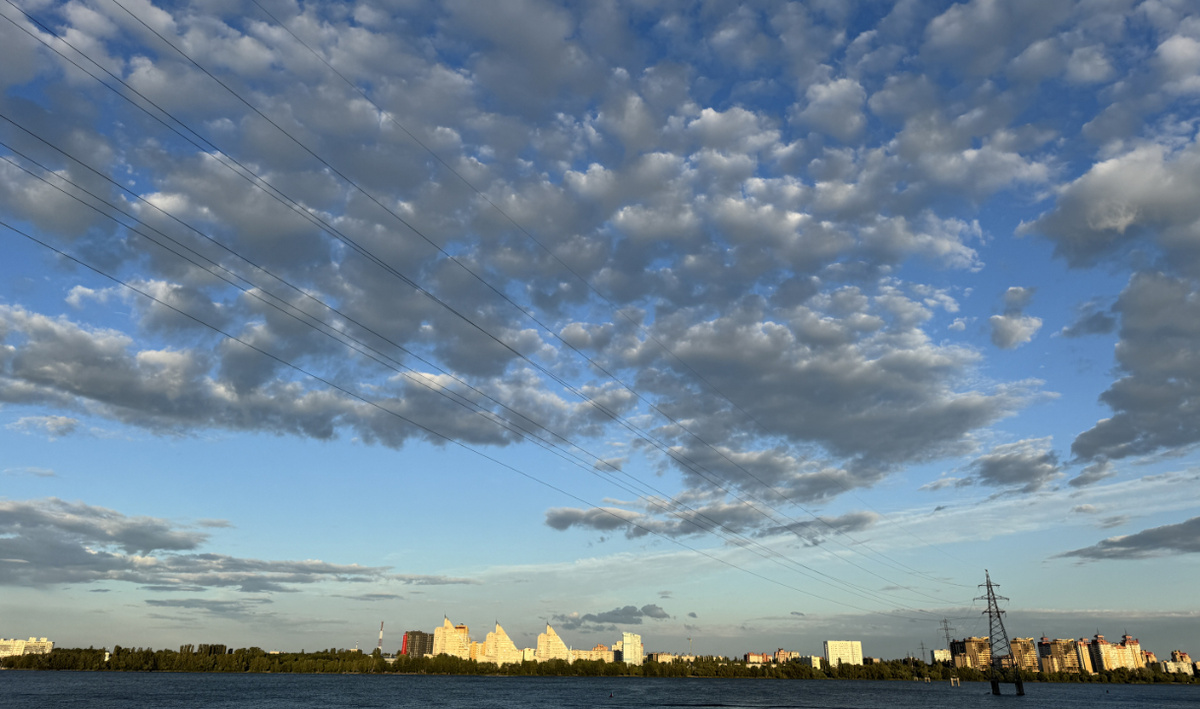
{"type": "Point", "coordinates": [451, 639]}
{"type": "Point", "coordinates": [631, 648]}
{"type": "Point", "coordinates": [936, 656]}
{"type": "Point", "coordinates": [843, 652]}
{"type": "Point", "coordinates": [1024, 654]}
{"type": "Point", "coordinates": [1172, 667]}
{"type": "Point", "coordinates": [1083, 650]}
{"type": "Point", "coordinates": [417, 644]}
{"type": "Point", "coordinates": [551, 647]}
{"type": "Point", "coordinates": [971, 652]}
{"type": "Point", "coordinates": [499, 648]}
{"type": "Point", "coordinates": [1060, 655]}
{"type": "Point", "coordinates": [32, 646]}
{"type": "Point", "coordinates": [1110, 656]}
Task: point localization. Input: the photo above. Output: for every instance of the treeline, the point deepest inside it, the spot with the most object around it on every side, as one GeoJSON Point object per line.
{"type": "Point", "coordinates": [217, 658]}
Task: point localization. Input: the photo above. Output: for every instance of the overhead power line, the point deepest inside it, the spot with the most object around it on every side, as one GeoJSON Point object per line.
{"type": "Point", "coordinates": [408, 420]}
{"type": "Point", "coordinates": [664, 347]}
{"type": "Point", "coordinates": [261, 183]}
{"type": "Point", "coordinates": [672, 507]}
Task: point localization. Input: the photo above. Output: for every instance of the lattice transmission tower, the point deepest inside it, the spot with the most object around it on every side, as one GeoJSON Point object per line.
{"type": "Point", "coordinates": [1001, 648]}
{"type": "Point", "coordinates": [946, 629]}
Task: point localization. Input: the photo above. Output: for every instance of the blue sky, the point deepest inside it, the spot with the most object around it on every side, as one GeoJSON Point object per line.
{"type": "Point", "coordinates": [758, 325]}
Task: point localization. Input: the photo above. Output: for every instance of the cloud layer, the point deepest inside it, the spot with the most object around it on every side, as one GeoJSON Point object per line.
{"type": "Point", "coordinates": [739, 261]}
{"type": "Point", "coordinates": [53, 542]}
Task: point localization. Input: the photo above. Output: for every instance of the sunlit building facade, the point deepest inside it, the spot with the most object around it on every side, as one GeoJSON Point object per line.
{"type": "Point", "coordinates": [843, 652]}
{"type": "Point", "coordinates": [1024, 654]}
{"type": "Point", "coordinates": [1060, 655]}
{"type": "Point", "coordinates": [453, 640]}
{"type": "Point", "coordinates": [551, 647]}
{"type": "Point", "coordinates": [631, 648]}
{"type": "Point", "coordinates": [1110, 656]}
{"type": "Point", "coordinates": [500, 649]}
{"type": "Point", "coordinates": [971, 652]}
{"type": "Point", "coordinates": [599, 653]}
{"type": "Point", "coordinates": [32, 646]}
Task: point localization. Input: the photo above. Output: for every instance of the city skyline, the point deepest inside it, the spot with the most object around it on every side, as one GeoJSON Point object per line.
{"type": "Point", "coordinates": [777, 322]}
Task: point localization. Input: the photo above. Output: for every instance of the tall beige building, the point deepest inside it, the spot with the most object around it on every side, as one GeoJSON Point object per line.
{"type": "Point", "coordinates": [1110, 656]}
{"type": "Point", "coordinates": [843, 652]}
{"type": "Point", "coordinates": [1024, 654]}
{"type": "Point", "coordinates": [500, 649]}
{"type": "Point", "coordinates": [32, 646]}
{"type": "Point", "coordinates": [631, 649]}
{"type": "Point", "coordinates": [971, 652]}
{"type": "Point", "coordinates": [551, 647]}
{"type": "Point", "coordinates": [1060, 655]}
{"type": "Point", "coordinates": [451, 639]}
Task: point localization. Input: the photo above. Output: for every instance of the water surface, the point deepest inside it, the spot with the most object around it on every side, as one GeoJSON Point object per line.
{"type": "Point", "coordinates": [112, 690]}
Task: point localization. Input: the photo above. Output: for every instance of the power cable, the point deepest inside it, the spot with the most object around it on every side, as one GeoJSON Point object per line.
{"type": "Point", "coordinates": [620, 312]}
{"type": "Point", "coordinates": [682, 460]}
{"type": "Point", "coordinates": [494, 289]}
{"type": "Point", "coordinates": [672, 508]}
{"type": "Point", "coordinates": [430, 431]}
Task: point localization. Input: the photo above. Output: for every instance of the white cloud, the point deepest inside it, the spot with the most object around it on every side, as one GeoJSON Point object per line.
{"type": "Point", "coordinates": [835, 108]}
{"type": "Point", "coordinates": [1010, 331]}
{"type": "Point", "coordinates": [1088, 65]}
{"type": "Point", "coordinates": [50, 426]}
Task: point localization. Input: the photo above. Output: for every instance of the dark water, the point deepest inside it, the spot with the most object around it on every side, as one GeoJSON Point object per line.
{"type": "Point", "coordinates": [109, 690]}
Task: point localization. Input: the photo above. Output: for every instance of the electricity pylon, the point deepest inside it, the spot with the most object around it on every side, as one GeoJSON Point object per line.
{"type": "Point", "coordinates": [946, 629]}
{"type": "Point", "coordinates": [1001, 647]}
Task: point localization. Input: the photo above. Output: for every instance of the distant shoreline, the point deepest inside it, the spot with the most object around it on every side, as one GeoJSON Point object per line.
{"type": "Point", "coordinates": [257, 661]}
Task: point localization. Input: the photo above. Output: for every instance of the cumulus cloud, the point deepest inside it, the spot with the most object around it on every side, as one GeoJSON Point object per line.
{"type": "Point", "coordinates": [101, 372]}
{"type": "Point", "coordinates": [978, 37]}
{"type": "Point", "coordinates": [1167, 540]}
{"type": "Point", "coordinates": [626, 615]}
{"type": "Point", "coordinates": [604, 519]}
{"type": "Point", "coordinates": [816, 531]}
{"type": "Point", "coordinates": [1088, 65]}
{"type": "Point", "coordinates": [1011, 331]}
{"type": "Point", "coordinates": [705, 217]}
{"type": "Point", "coordinates": [1093, 473]}
{"type": "Point", "coordinates": [1160, 370]}
{"type": "Point", "coordinates": [835, 108]}
{"type": "Point", "coordinates": [1014, 328]}
{"type": "Point", "coordinates": [1024, 466]}
{"type": "Point", "coordinates": [1179, 59]}
{"type": "Point", "coordinates": [1091, 321]}
{"type": "Point", "coordinates": [1140, 194]}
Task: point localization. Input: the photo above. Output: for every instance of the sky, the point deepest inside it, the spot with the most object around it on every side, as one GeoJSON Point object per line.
{"type": "Point", "coordinates": [735, 325]}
